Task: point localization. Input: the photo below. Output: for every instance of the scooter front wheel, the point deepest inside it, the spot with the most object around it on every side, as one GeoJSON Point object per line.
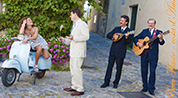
{"type": "Point", "coordinates": [8, 77]}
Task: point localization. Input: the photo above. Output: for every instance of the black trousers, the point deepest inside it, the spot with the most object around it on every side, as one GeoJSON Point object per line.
{"type": "Point", "coordinates": [119, 64]}
{"type": "Point", "coordinates": [150, 85]}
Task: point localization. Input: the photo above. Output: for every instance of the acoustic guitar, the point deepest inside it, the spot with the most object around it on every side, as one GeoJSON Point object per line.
{"type": "Point", "coordinates": [120, 35]}
{"type": "Point", "coordinates": [146, 44]}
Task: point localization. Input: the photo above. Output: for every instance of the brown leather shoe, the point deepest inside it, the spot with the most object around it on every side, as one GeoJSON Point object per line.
{"type": "Point", "coordinates": [76, 93]}
{"type": "Point", "coordinates": [69, 89]}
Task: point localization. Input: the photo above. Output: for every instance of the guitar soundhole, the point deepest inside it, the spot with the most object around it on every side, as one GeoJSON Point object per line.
{"type": "Point", "coordinates": [139, 47]}
{"type": "Point", "coordinates": [144, 43]}
{"type": "Point", "coordinates": [118, 35]}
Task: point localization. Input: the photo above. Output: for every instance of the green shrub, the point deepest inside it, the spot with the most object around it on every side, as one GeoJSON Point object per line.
{"type": "Point", "coordinates": [47, 15]}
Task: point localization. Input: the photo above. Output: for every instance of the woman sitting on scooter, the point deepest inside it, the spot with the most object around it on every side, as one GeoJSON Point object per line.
{"type": "Point", "coordinates": [39, 44]}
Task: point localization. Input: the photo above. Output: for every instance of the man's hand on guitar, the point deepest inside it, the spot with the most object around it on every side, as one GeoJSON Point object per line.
{"type": "Point", "coordinates": [115, 37]}
{"type": "Point", "coordinates": [139, 44]}
{"type": "Point", "coordinates": [127, 34]}
{"type": "Point", "coordinates": [160, 36]}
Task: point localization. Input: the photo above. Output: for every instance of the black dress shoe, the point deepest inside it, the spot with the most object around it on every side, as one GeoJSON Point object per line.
{"type": "Point", "coordinates": [144, 90]}
{"type": "Point", "coordinates": [104, 85]}
{"type": "Point", "coordinates": [152, 93]}
{"type": "Point", "coordinates": [115, 86]}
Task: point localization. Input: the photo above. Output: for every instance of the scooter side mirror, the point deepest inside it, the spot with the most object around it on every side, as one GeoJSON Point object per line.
{"type": "Point", "coordinates": [20, 37]}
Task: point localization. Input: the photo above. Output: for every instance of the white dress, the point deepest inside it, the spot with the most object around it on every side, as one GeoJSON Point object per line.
{"type": "Point", "coordinates": [39, 41]}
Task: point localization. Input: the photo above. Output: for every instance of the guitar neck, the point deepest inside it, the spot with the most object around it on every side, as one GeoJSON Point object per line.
{"type": "Point", "coordinates": [152, 39]}
{"type": "Point", "coordinates": [125, 33]}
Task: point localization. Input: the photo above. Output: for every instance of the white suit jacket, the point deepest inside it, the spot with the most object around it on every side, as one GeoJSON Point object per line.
{"type": "Point", "coordinates": [80, 36]}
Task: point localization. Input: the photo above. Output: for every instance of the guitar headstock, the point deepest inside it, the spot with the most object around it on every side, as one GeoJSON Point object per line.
{"type": "Point", "coordinates": [166, 32]}
{"type": "Point", "coordinates": [132, 32]}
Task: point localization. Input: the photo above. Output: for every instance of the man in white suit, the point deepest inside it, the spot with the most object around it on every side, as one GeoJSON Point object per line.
{"type": "Point", "coordinates": [77, 40]}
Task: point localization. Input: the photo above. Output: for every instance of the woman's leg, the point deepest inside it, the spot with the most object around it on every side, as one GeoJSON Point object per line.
{"type": "Point", "coordinates": [38, 54]}
{"type": "Point", "coordinates": [46, 54]}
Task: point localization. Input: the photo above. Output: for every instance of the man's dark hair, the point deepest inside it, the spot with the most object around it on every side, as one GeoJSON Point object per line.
{"type": "Point", "coordinates": [126, 18]}
{"type": "Point", "coordinates": [77, 11]}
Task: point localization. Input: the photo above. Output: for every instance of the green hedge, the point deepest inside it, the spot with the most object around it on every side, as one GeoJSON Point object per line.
{"type": "Point", "coordinates": [48, 15]}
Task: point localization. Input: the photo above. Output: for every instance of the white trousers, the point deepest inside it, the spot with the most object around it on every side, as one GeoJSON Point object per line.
{"type": "Point", "coordinates": [76, 74]}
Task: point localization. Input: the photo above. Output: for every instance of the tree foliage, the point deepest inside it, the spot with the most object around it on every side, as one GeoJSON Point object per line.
{"type": "Point", "coordinates": [47, 15]}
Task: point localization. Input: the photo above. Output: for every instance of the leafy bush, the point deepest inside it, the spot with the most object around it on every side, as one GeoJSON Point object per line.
{"type": "Point", "coordinates": [47, 15]}
{"type": "Point", "coordinates": [59, 51]}
{"type": "Point", "coordinates": [5, 45]}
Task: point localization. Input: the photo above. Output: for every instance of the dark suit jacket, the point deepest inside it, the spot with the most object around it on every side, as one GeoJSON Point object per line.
{"type": "Point", "coordinates": [151, 54]}
{"type": "Point", "coordinates": [119, 48]}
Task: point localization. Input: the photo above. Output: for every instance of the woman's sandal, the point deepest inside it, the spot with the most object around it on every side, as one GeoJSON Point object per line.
{"type": "Point", "coordinates": [36, 68]}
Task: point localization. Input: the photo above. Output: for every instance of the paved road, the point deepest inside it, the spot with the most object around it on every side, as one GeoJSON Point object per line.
{"type": "Point", "coordinates": [51, 86]}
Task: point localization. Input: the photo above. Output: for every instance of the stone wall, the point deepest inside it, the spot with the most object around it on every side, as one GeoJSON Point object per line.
{"type": "Point", "coordinates": [98, 21]}
{"type": "Point", "coordinates": [92, 21]}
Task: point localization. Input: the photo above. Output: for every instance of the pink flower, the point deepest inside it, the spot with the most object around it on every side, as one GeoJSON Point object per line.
{"type": "Point", "coordinates": [64, 50]}
{"type": "Point", "coordinates": [54, 52]}
{"type": "Point", "coordinates": [67, 47]}
{"type": "Point", "coordinates": [53, 61]}
{"type": "Point", "coordinates": [55, 56]}
{"type": "Point", "coordinates": [61, 26]}
{"type": "Point", "coordinates": [64, 61]}
{"type": "Point", "coordinates": [49, 44]}
{"type": "Point", "coordinates": [62, 46]}
{"type": "Point", "coordinates": [8, 46]}
{"type": "Point", "coordinates": [57, 50]}
{"type": "Point", "coordinates": [1, 53]}
{"type": "Point", "coordinates": [4, 47]}
{"type": "Point", "coordinates": [51, 49]}
{"type": "Point", "coordinates": [9, 40]}
{"type": "Point", "coordinates": [54, 41]}
{"type": "Point", "coordinates": [15, 40]}
{"type": "Point", "coordinates": [67, 51]}
{"type": "Point", "coordinates": [56, 63]}
{"type": "Point", "coordinates": [1, 48]}
{"type": "Point", "coordinates": [67, 59]}
{"type": "Point", "coordinates": [55, 46]}
{"type": "Point", "coordinates": [5, 53]}
{"type": "Point", "coordinates": [3, 43]}
{"type": "Point", "coordinates": [62, 55]}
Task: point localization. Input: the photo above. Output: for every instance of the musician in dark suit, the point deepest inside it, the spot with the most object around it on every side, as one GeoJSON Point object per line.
{"type": "Point", "coordinates": [151, 55]}
{"type": "Point", "coordinates": [117, 51]}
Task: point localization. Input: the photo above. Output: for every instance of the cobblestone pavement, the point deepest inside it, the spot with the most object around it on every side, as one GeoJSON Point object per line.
{"type": "Point", "coordinates": [52, 84]}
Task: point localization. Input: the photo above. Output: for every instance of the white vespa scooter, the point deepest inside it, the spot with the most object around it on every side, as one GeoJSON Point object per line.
{"type": "Point", "coordinates": [22, 60]}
